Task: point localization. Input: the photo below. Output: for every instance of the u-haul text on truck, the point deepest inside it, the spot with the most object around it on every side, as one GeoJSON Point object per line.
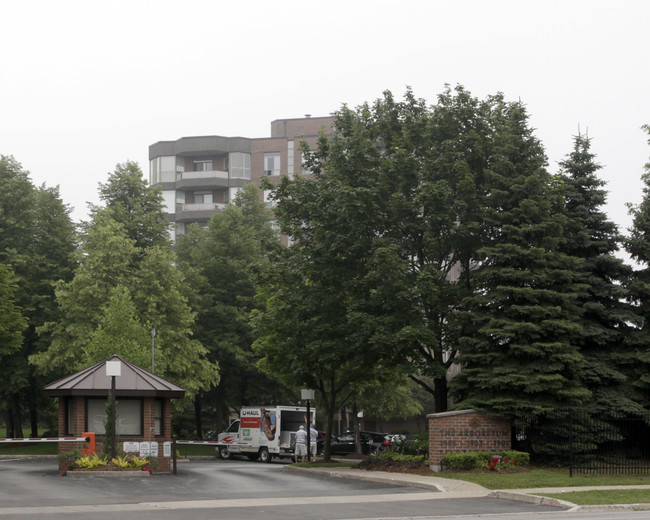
{"type": "Point", "coordinates": [264, 432]}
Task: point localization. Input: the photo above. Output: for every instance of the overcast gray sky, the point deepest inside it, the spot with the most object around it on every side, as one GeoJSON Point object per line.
{"type": "Point", "coordinates": [87, 84]}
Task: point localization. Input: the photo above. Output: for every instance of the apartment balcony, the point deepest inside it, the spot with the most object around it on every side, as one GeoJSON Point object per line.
{"type": "Point", "coordinates": [203, 179]}
{"type": "Point", "coordinates": [194, 212]}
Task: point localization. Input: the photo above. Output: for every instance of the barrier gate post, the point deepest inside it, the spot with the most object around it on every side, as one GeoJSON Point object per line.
{"type": "Point", "coordinates": [89, 449]}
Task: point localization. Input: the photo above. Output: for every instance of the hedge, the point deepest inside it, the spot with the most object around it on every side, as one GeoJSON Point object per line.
{"type": "Point", "coordinates": [482, 459]}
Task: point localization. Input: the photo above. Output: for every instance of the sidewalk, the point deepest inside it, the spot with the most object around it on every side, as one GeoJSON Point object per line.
{"type": "Point", "coordinates": [453, 488]}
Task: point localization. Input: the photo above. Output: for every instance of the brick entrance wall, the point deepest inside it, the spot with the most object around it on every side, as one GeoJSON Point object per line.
{"type": "Point", "coordinates": [465, 430]}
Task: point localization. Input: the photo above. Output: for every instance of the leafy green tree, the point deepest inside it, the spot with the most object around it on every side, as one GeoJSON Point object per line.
{"type": "Point", "coordinates": [638, 246]}
{"type": "Point", "coordinates": [220, 262]}
{"type": "Point", "coordinates": [12, 322]}
{"type": "Point", "coordinates": [398, 207]}
{"type": "Point", "coordinates": [518, 349]}
{"type": "Point", "coordinates": [134, 204]}
{"type": "Point", "coordinates": [606, 315]}
{"type": "Point", "coordinates": [113, 255]}
{"type": "Point", "coordinates": [351, 298]}
{"type": "Point", "coordinates": [37, 239]}
{"type": "Point", "coordinates": [119, 332]}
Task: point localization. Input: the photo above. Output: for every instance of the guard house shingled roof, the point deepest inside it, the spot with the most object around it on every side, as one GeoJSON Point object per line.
{"type": "Point", "coordinates": [134, 381]}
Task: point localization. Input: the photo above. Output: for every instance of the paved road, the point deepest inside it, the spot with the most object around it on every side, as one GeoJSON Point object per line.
{"type": "Point", "coordinates": [236, 490]}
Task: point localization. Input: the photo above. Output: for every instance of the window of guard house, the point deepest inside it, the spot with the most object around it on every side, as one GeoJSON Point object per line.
{"type": "Point", "coordinates": [202, 197]}
{"type": "Point", "coordinates": [203, 166]}
{"type": "Point", "coordinates": [128, 411]}
{"type": "Point", "coordinates": [158, 417]}
{"type": "Point", "coordinates": [272, 163]}
{"type": "Point", "coordinates": [69, 416]}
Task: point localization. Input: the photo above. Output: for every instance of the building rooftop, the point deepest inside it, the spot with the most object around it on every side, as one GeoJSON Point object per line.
{"type": "Point", "coordinates": [133, 381]}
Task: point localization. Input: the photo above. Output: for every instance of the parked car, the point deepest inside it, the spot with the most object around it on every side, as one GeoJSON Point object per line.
{"type": "Point", "coordinates": [372, 443]}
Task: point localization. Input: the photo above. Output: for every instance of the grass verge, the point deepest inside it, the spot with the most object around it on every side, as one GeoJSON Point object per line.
{"type": "Point", "coordinates": [604, 497]}
{"type": "Point", "coordinates": [539, 478]}
{"type": "Point", "coordinates": [196, 450]}
{"type": "Point", "coordinates": [39, 448]}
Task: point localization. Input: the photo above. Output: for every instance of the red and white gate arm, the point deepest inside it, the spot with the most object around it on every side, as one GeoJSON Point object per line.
{"type": "Point", "coordinates": [199, 442]}
{"type": "Point", "coordinates": [45, 439]}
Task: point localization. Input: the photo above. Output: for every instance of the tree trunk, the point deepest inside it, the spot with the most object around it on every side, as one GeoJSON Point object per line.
{"type": "Point", "coordinates": [440, 395]}
{"type": "Point", "coordinates": [33, 410]}
{"type": "Point", "coordinates": [17, 419]}
{"type": "Point", "coordinates": [10, 421]}
{"type": "Point", "coordinates": [357, 430]}
{"type": "Point", "coordinates": [198, 416]}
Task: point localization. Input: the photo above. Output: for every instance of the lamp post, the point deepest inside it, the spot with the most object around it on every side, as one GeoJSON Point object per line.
{"type": "Point", "coordinates": [307, 394]}
{"type": "Point", "coordinates": [153, 345]}
{"type": "Point", "coordinates": [113, 369]}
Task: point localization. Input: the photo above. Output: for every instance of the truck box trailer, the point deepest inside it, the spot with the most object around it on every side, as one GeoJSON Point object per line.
{"type": "Point", "coordinates": [264, 432]}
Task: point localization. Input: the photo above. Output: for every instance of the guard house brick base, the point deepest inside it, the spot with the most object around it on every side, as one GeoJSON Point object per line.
{"type": "Point", "coordinates": [79, 404]}
{"type": "Point", "coordinates": [151, 392]}
{"type": "Point", "coordinates": [465, 430]}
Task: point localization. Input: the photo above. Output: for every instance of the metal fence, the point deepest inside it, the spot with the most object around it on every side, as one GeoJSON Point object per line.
{"type": "Point", "coordinates": [585, 442]}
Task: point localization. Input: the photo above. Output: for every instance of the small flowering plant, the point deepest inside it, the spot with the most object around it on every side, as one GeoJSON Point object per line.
{"type": "Point", "coordinates": [130, 461]}
{"type": "Point", "coordinates": [498, 463]}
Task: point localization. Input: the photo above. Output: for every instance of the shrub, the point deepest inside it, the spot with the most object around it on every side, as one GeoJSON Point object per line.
{"type": "Point", "coordinates": [485, 459]}
{"type": "Point", "coordinates": [91, 462]}
{"type": "Point", "coordinates": [130, 461]}
{"type": "Point", "coordinates": [69, 460]}
{"type": "Point", "coordinates": [399, 457]}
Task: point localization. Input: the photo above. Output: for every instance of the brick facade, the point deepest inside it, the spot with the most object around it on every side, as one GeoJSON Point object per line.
{"type": "Point", "coordinates": [465, 430]}
{"type": "Point", "coordinates": [148, 435]}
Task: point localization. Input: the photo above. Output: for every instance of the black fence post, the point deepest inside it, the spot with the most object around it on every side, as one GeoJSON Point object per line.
{"type": "Point", "coordinates": [174, 454]}
{"type": "Point", "coordinates": [571, 461]}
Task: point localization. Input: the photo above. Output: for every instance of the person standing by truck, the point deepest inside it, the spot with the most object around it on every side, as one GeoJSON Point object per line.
{"type": "Point", "coordinates": [313, 441]}
{"type": "Point", "coordinates": [301, 443]}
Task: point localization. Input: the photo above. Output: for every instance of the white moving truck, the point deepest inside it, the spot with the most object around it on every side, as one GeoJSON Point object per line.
{"type": "Point", "coordinates": [264, 432]}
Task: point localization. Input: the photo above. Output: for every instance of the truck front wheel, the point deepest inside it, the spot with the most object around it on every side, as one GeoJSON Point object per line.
{"type": "Point", "coordinates": [265, 456]}
{"type": "Point", "coordinates": [224, 453]}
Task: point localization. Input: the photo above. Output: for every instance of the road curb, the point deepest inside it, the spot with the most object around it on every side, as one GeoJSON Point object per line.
{"type": "Point", "coordinates": [532, 499]}
{"type": "Point", "coordinates": [368, 477]}
{"type": "Point", "coordinates": [548, 501]}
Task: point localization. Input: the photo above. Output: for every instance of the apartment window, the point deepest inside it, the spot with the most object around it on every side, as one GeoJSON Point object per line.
{"type": "Point", "coordinates": [272, 163]}
{"type": "Point", "coordinates": [290, 156]}
{"type": "Point", "coordinates": [202, 197]}
{"type": "Point", "coordinates": [232, 193]}
{"type": "Point", "coordinates": [169, 200]}
{"type": "Point", "coordinates": [128, 412]}
{"type": "Point", "coordinates": [153, 171]}
{"type": "Point", "coordinates": [239, 165]}
{"type": "Point", "coordinates": [304, 157]}
{"type": "Point", "coordinates": [203, 166]}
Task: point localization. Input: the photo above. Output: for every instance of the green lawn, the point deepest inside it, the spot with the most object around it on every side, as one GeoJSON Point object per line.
{"type": "Point", "coordinates": [196, 450]}
{"type": "Point", "coordinates": [40, 448]}
{"type": "Point", "coordinates": [604, 497]}
{"type": "Point", "coordinates": [537, 478]}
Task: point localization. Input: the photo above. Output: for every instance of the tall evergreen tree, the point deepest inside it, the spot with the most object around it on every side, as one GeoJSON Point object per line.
{"type": "Point", "coordinates": [517, 351]}
{"type": "Point", "coordinates": [638, 246]}
{"type": "Point", "coordinates": [606, 315]}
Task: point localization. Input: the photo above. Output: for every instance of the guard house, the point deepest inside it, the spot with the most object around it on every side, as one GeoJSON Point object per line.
{"type": "Point", "coordinates": [143, 408]}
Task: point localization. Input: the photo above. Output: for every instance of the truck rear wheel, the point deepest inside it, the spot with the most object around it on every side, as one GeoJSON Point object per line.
{"type": "Point", "coordinates": [224, 453]}
{"type": "Point", "coordinates": [264, 454]}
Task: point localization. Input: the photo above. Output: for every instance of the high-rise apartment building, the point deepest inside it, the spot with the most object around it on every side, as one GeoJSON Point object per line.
{"type": "Point", "coordinates": [200, 175]}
